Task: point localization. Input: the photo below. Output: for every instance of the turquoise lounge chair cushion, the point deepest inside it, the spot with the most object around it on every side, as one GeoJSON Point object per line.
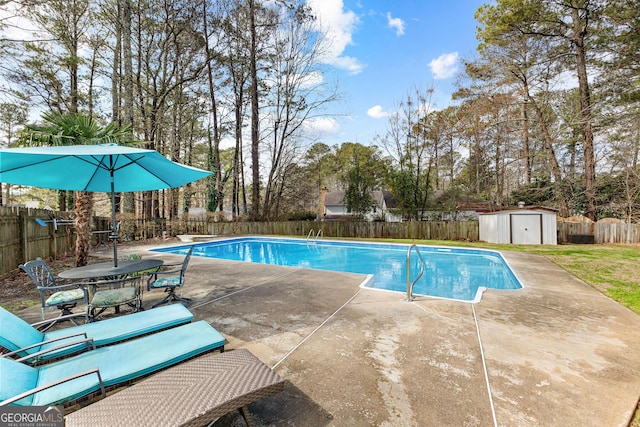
{"type": "Point", "coordinates": [15, 333]}
{"type": "Point", "coordinates": [63, 297]}
{"type": "Point", "coordinates": [121, 328]}
{"type": "Point", "coordinates": [117, 363]}
{"type": "Point", "coordinates": [15, 378]}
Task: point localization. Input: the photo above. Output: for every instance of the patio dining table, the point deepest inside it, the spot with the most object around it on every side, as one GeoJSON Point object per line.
{"type": "Point", "coordinates": [107, 271]}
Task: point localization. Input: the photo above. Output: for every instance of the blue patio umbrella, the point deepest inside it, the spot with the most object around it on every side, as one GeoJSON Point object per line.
{"type": "Point", "coordinates": [108, 168]}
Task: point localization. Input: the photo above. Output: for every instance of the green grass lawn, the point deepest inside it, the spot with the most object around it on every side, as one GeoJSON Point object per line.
{"type": "Point", "coordinates": [613, 270]}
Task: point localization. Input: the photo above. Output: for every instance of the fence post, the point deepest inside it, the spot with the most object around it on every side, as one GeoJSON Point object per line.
{"type": "Point", "coordinates": [23, 216]}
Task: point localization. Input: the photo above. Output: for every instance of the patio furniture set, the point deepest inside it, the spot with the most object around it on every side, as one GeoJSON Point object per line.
{"type": "Point", "coordinates": [104, 285]}
{"type": "Point", "coordinates": [61, 366]}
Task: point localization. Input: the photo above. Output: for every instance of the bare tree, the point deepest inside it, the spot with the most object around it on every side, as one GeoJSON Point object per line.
{"type": "Point", "coordinates": [297, 93]}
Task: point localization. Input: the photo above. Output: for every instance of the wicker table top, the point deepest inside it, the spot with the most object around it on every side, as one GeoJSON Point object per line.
{"type": "Point", "coordinates": [194, 393]}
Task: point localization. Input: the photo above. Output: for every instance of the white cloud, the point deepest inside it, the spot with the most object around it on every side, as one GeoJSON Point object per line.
{"type": "Point", "coordinates": [376, 112]}
{"type": "Point", "coordinates": [322, 125]}
{"type": "Point", "coordinates": [338, 25]}
{"type": "Point", "coordinates": [444, 66]}
{"type": "Point", "coordinates": [349, 63]}
{"type": "Point", "coordinates": [396, 23]}
{"type": "Point", "coordinates": [312, 79]}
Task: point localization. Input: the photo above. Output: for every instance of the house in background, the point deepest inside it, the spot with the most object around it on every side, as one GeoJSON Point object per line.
{"type": "Point", "coordinates": [333, 207]}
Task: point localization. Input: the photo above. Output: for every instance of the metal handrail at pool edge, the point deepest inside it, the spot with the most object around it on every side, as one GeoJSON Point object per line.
{"type": "Point", "coordinates": [310, 234]}
{"type": "Point", "coordinates": [409, 282]}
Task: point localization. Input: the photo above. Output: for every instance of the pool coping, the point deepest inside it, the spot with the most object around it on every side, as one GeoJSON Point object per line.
{"type": "Point", "coordinates": [368, 277]}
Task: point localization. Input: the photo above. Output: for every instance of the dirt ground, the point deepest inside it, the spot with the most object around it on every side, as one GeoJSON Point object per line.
{"type": "Point", "coordinates": [17, 291]}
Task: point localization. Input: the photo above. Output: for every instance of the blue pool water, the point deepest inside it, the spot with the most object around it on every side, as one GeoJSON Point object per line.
{"type": "Point", "coordinates": [449, 273]}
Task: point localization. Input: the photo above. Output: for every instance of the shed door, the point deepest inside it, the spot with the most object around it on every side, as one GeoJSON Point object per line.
{"type": "Point", "coordinates": [526, 229]}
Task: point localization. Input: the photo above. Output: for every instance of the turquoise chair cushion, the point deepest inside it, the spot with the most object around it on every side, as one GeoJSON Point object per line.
{"type": "Point", "coordinates": [126, 361]}
{"type": "Point", "coordinates": [121, 328]}
{"type": "Point", "coordinates": [16, 378]}
{"type": "Point", "coordinates": [167, 282]}
{"type": "Point", "coordinates": [62, 297]}
{"type": "Point", "coordinates": [113, 297]}
{"type": "Point", "coordinates": [15, 333]}
{"type": "Point", "coordinates": [24, 378]}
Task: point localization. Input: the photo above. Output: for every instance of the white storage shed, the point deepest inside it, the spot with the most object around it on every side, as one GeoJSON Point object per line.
{"type": "Point", "coordinates": [522, 225]}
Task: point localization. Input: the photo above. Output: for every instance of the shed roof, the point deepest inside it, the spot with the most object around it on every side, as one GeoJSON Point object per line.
{"type": "Point", "coordinates": [510, 209]}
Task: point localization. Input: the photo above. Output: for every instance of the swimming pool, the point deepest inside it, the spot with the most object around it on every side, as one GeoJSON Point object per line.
{"type": "Point", "coordinates": [453, 273]}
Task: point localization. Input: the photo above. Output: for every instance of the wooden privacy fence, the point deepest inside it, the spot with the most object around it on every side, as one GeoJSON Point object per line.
{"type": "Point", "coordinates": [427, 230]}
{"type": "Point", "coordinates": [22, 238]}
{"type": "Point", "coordinates": [602, 232]}
{"type": "Point", "coordinates": [432, 230]}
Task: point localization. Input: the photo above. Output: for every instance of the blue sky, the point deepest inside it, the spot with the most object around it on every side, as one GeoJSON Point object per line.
{"type": "Point", "coordinates": [382, 50]}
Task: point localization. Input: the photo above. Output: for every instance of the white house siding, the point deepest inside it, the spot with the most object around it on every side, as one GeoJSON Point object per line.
{"type": "Point", "coordinates": [334, 207]}
{"type": "Point", "coordinates": [335, 210]}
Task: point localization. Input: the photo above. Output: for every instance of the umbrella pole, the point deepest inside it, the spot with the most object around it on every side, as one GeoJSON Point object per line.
{"type": "Point", "coordinates": [114, 226]}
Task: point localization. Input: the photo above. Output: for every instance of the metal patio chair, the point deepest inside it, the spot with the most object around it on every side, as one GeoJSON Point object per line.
{"type": "Point", "coordinates": [170, 280]}
{"type": "Point", "coordinates": [64, 296]}
{"type": "Point", "coordinates": [114, 292]}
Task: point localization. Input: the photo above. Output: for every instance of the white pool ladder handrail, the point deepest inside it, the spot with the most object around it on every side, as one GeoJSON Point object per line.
{"type": "Point", "coordinates": [409, 282]}
{"type": "Point", "coordinates": [310, 235]}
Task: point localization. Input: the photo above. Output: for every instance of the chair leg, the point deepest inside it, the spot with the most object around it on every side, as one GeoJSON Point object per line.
{"type": "Point", "coordinates": [65, 310]}
{"type": "Point", "coordinates": [171, 297]}
{"type": "Point", "coordinates": [244, 411]}
{"type": "Point", "coordinates": [47, 326]}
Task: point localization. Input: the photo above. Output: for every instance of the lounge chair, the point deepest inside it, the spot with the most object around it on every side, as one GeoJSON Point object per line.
{"type": "Point", "coordinates": [194, 393]}
{"type": "Point", "coordinates": [69, 379]}
{"type": "Point", "coordinates": [64, 296]}
{"type": "Point", "coordinates": [169, 277]}
{"type": "Point", "coordinates": [26, 342]}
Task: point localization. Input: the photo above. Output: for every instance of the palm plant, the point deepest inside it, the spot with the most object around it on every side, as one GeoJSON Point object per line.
{"type": "Point", "coordinates": [75, 129]}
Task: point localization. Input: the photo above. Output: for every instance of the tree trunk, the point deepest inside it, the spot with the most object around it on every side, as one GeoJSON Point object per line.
{"type": "Point", "coordinates": [255, 134]}
{"type": "Point", "coordinates": [84, 212]}
{"type": "Point", "coordinates": [525, 137]}
{"type": "Point", "coordinates": [579, 33]}
{"type": "Point", "coordinates": [555, 166]}
{"type": "Point", "coordinates": [217, 167]}
{"type": "Point", "coordinates": [128, 205]}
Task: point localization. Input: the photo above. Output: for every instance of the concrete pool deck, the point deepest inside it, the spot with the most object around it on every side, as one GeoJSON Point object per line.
{"type": "Point", "coordinates": [556, 353]}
